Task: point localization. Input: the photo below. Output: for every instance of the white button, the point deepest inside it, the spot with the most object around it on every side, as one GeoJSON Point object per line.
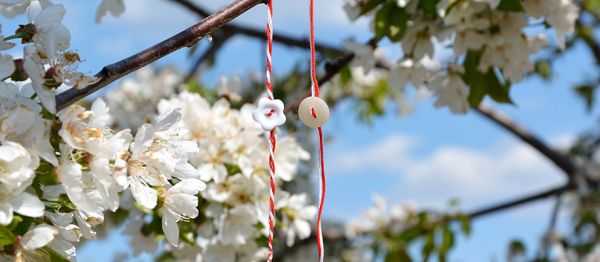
{"type": "Point", "coordinates": [269, 113]}
{"type": "Point", "coordinates": [313, 112]}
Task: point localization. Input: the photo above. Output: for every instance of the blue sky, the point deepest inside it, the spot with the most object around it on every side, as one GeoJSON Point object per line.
{"type": "Point", "coordinates": [424, 158]}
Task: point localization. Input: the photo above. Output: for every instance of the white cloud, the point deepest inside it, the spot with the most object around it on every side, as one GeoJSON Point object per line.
{"type": "Point", "coordinates": [475, 176]}
{"type": "Point", "coordinates": [388, 155]}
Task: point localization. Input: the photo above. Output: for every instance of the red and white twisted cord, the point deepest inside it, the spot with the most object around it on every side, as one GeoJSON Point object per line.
{"type": "Point", "coordinates": [271, 137]}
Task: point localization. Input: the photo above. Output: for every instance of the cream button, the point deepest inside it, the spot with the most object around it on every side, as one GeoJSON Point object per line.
{"type": "Point", "coordinates": [313, 112]}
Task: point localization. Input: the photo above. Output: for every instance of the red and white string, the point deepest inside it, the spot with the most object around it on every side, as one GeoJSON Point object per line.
{"type": "Point", "coordinates": [271, 136]}
{"type": "Point", "coordinates": [321, 165]}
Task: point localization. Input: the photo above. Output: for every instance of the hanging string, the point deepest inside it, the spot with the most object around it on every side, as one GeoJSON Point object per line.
{"type": "Point", "coordinates": [321, 166]}
{"type": "Point", "coordinates": [271, 136]}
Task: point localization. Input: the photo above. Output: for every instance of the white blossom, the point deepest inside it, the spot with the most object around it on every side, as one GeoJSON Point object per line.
{"type": "Point", "coordinates": [296, 216]}
{"type": "Point", "coordinates": [17, 167]}
{"type": "Point", "coordinates": [21, 121]}
{"type": "Point", "coordinates": [180, 204]}
{"type": "Point", "coordinates": [451, 91]}
{"type": "Point", "coordinates": [237, 225]}
{"type": "Point", "coordinates": [158, 153]}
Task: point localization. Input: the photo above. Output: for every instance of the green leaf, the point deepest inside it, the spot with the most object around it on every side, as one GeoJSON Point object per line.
{"type": "Point", "coordinates": [374, 103]}
{"type": "Point", "coordinates": [391, 21]}
{"type": "Point", "coordinates": [592, 6]}
{"type": "Point", "coordinates": [511, 6]}
{"type": "Point", "coordinates": [345, 75]}
{"type": "Point", "coordinates": [6, 236]}
{"type": "Point", "coordinates": [428, 246]}
{"type": "Point", "coordinates": [382, 20]}
{"type": "Point", "coordinates": [232, 169]}
{"type": "Point", "coordinates": [397, 24]}
{"type": "Point", "coordinates": [482, 84]}
{"type": "Point", "coordinates": [516, 248]}
{"type": "Point", "coordinates": [476, 94]}
{"type": "Point", "coordinates": [22, 227]}
{"type": "Point", "coordinates": [397, 254]}
{"type": "Point", "coordinates": [370, 5]}
{"type": "Point", "coordinates": [474, 78]}
{"type": "Point", "coordinates": [543, 69]}
{"type": "Point", "coordinates": [15, 222]}
{"type": "Point", "coordinates": [53, 255]}
{"type": "Point", "coordinates": [465, 223]}
{"type": "Point", "coordinates": [119, 216]}
{"type": "Point", "coordinates": [167, 257]}
{"type": "Point", "coordinates": [429, 6]}
{"type": "Point", "coordinates": [447, 243]}
{"type": "Point", "coordinates": [587, 93]}
{"type": "Point", "coordinates": [500, 93]}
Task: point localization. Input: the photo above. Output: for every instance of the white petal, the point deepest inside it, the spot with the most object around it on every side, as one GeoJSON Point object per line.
{"type": "Point", "coordinates": [7, 66]}
{"type": "Point", "coordinates": [38, 237]}
{"type": "Point", "coordinates": [167, 120]}
{"type": "Point", "coordinates": [186, 170]}
{"type": "Point", "coordinates": [46, 96]}
{"type": "Point", "coordinates": [50, 15]}
{"type": "Point", "coordinates": [11, 2]}
{"type": "Point", "coordinates": [33, 10]}
{"type": "Point", "coordinates": [142, 140]}
{"type": "Point", "coordinates": [302, 228]}
{"type": "Point", "coordinates": [6, 214]}
{"type": "Point", "coordinates": [144, 195]}
{"type": "Point", "coordinates": [44, 150]}
{"type": "Point", "coordinates": [169, 226]}
{"type": "Point", "coordinates": [60, 219]}
{"type": "Point", "coordinates": [63, 248]}
{"type": "Point", "coordinates": [27, 204]}
{"type": "Point", "coordinates": [101, 115]}
{"type": "Point", "coordinates": [56, 38]}
{"type": "Point", "coordinates": [183, 204]}
{"type": "Point", "coordinates": [308, 212]}
{"type": "Point", "coordinates": [86, 229]}
{"type": "Point", "coordinates": [188, 186]}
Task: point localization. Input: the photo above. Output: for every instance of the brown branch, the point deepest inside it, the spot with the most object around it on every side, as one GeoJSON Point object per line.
{"type": "Point", "coordinates": [547, 241]}
{"type": "Point", "coordinates": [186, 38]}
{"type": "Point", "coordinates": [520, 201]}
{"type": "Point", "coordinates": [331, 71]}
{"type": "Point", "coordinates": [328, 235]}
{"type": "Point", "coordinates": [207, 56]}
{"type": "Point", "coordinates": [587, 34]}
{"type": "Point", "coordinates": [193, 7]}
{"type": "Point", "coordinates": [284, 39]}
{"type": "Point", "coordinates": [335, 235]}
{"type": "Point", "coordinates": [560, 160]}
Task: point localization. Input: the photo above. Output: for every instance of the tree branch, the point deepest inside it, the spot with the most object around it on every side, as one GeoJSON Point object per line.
{"type": "Point", "coordinates": [332, 70]}
{"type": "Point", "coordinates": [520, 201]}
{"type": "Point", "coordinates": [284, 39]}
{"type": "Point", "coordinates": [337, 235]}
{"type": "Point", "coordinates": [560, 160]}
{"type": "Point", "coordinates": [186, 38]}
{"type": "Point", "coordinates": [193, 7]}
{"type": "Point", "coordinates": [209, 54]}
{"type": "Point", "coordinates": [550, 232]}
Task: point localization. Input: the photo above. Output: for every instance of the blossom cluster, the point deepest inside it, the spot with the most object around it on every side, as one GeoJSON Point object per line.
{"type": "Point", "coordinates": [233, 162]}
{"type": "Point", "coordinates": [458, 49]}
{"type": "Point", "coordinates": [182, 169]}
{"type": "Point", "coordinates": [377, 222]}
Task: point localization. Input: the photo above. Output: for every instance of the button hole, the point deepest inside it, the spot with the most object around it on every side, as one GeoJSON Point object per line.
{"type": "Point", "coordinates": [313, 112]}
